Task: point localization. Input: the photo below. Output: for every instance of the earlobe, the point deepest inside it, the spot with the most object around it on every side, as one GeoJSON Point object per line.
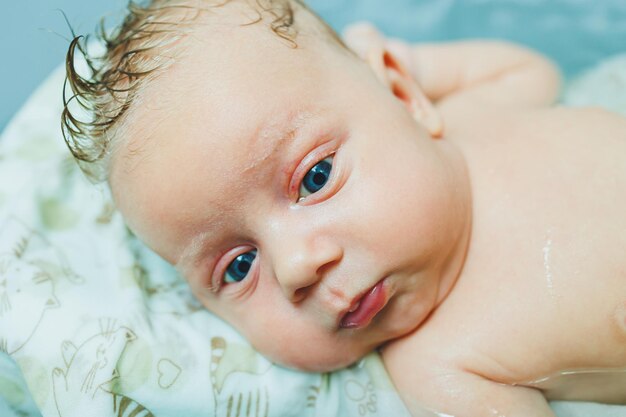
{"type": "Point", "coordinates": [393, 74]}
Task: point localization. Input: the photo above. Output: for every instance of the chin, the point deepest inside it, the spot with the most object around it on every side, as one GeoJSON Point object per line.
{"type": "Point", "coordinates": [320, 361]}
{"type": "Point", "coordinates": [320, 366]}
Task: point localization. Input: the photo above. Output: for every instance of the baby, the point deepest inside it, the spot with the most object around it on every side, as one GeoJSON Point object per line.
{"type": "Point", "coordinates": [429, 200]}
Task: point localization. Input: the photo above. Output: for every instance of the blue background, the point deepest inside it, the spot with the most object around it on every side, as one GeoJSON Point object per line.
{"type": "Point", "coordinates": [577, 33]}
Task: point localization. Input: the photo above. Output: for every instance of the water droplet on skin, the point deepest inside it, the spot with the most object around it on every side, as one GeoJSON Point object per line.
{"type": "Point", "coordinates": [620, 317]}
{"type": "Point", "coordinates": [547, 262]}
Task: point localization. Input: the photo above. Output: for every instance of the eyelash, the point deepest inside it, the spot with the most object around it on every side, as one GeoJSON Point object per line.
{"type": "Point", "coordinates": [217, 282]}
{"type": "Point", "coordinates": [308, 162]}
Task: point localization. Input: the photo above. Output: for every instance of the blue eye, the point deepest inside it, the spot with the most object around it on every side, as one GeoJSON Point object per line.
{"type": "Point", "coordinates": [240, 266]}
{"type": "Point", "coordinates": [316, 178]}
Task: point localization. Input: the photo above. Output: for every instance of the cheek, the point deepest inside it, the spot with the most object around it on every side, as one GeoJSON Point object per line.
{"type": "Point", "coordinates": [292, 338]}
{"type": "Point", "coordinates": [307, 350]}
{"type": "Point", "coordinates": [286, 335]}
{"type": "Point", "coordinates": [401, 209]}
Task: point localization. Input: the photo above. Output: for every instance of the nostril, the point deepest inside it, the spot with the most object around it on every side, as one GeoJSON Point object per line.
{"type": "Point", "coordinates": [323, 269]}
{"type": "Point", "coordinates": [300, 294]}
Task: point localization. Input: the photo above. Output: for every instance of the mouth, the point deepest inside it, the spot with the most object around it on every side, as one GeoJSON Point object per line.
{"type": "Point", "coordinates": [364, 307]}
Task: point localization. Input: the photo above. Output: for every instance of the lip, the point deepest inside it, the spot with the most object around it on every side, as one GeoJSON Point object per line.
{"type": "Point", "coordinates": [365, 307]}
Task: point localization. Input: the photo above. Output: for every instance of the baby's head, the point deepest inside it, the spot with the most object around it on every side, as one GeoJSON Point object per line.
{"type": "Point", "coordinates": [288, 180]}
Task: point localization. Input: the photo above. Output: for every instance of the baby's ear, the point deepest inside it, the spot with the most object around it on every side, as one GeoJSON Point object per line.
{"type": "Point", "coordinates": [371, 46]}
{"type": "Point", "coordinates": [392, 73]}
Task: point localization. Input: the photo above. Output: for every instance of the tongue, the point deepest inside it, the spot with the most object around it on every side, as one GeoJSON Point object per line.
{"type": "Point", "coordinates": [369, 305]}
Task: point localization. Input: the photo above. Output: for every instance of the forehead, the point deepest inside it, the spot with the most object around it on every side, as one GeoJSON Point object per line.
{"type": "Point", "coordinates": [233, 96]}
{"type": "Point", "coordinates": [226, 78]}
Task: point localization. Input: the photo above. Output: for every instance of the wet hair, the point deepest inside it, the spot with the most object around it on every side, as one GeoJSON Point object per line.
{"type": "Point", "coordinates": [140, 48]}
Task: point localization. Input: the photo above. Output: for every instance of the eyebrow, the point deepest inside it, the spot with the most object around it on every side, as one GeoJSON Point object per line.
{"type": "Point", "coordinates": [285, 136]}
{"type": "Point", "coordinates": [192, 254]}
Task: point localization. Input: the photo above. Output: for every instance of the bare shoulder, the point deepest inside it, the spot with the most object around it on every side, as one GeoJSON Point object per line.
{"type": "Point", "coordinates": [429, 378]}
{"type": "Point", "coordinates": [468, 121]}
{"type": "Point", "coordinates": [545, 262]}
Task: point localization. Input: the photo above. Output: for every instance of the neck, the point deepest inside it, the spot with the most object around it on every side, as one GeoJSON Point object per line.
{"type": "Point", "coordinates": [452, 267]}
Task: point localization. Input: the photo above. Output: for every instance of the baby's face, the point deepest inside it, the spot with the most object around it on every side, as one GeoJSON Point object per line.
{"type": "Point", "coordinates": [287, 185]}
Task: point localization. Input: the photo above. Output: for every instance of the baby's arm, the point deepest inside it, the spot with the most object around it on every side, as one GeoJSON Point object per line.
{"type": "Point", "coordinates": [455, 381]}
{"type": "Point", "coordinates": [494, 71]}
{"type": "Point", "coordinates": [461, 393]}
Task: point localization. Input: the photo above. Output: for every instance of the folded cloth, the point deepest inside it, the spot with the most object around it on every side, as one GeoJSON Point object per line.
{"type": "Point", "coordinates": [604, 85]}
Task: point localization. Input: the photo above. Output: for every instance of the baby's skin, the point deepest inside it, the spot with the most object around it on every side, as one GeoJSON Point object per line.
{"type": "Point", "coordinates": [430, 200]}
{"type": "Point", "coordinates": [541, 300]}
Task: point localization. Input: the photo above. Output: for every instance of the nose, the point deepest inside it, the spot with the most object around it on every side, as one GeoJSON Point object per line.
{"type": "Point", "coordinates": [302, 260]}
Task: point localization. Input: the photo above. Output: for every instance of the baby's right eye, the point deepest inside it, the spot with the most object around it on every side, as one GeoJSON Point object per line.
{"type": "Point", "coordinates": [238, 269]}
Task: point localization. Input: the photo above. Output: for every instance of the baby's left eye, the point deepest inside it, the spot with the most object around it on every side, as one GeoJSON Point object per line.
{"type": "Point", "coordinates": [316, 178]}
{"type": "Point", "coordinates": [238, 269]}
